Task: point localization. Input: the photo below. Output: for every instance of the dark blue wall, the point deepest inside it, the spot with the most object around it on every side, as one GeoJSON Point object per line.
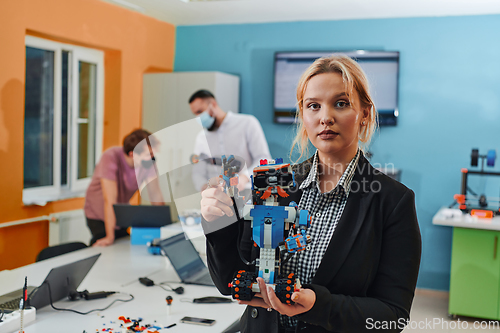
{"type": "Point", "coordinates": [449, 97]}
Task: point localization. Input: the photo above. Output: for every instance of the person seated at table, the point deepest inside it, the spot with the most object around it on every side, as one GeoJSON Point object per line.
{"type": "Point", "coordinates": [115, 180]}
{"type": "Point", "coordinates": [362, 264]}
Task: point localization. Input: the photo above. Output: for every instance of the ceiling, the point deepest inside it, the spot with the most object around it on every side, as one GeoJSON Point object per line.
{"type": "Point", "coordinates": [201, 12]}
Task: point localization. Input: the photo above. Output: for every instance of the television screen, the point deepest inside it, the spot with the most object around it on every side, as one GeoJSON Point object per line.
{"type": "Point", "coordinates": [381, 68]}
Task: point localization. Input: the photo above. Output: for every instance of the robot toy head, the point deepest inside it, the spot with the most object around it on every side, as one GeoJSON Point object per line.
{"type": "Point", "coordinates": [272, 177]}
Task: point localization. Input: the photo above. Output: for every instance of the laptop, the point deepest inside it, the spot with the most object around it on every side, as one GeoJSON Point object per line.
{"type": "Point", "coordinates": [60, 281]}
{"type": "Point", "coordinates": [142, 215]}
{"type": "Point", "coordinates": [186, 260]}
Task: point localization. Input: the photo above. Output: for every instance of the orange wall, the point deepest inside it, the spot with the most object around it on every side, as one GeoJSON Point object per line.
{"type": "Point", "coordinates": [133, 44]}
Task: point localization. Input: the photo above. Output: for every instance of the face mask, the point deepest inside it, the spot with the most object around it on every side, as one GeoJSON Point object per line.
{"type": "Point", "coordinates": [146, 164]}
{"type": "Point", "coordinates": [206, 120]}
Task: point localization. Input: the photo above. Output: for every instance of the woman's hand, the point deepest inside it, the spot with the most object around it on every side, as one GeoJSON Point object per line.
{"type": "Point", "coordinates": [242, 182]}
{"type": "Point", "coordinates": [304, 300]}
{"type": "Point", "coordinates": [214, 202]}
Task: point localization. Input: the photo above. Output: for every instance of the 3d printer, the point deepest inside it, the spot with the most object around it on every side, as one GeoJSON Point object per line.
{"type": "Point", "coordinates": [464, 199]}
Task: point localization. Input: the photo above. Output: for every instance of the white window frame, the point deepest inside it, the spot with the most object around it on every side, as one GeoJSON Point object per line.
{"type": "Point", "coordinates": [75, 187]}
{"type": "Point", "coordinates": [95, 57]}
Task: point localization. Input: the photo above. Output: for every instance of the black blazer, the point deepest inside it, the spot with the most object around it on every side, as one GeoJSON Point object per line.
{"type": "Point", "coordinates": [368, 274]}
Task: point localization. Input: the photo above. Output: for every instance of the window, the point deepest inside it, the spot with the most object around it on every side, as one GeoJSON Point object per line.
{"type": "Point", "coordinates": [63, 119]}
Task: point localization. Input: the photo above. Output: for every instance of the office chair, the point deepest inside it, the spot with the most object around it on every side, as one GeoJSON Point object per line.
{"type": "Point", "coordinates": [54, 251]}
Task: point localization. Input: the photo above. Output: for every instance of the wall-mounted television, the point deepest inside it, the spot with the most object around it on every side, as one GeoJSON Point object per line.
{"type": "Point", "coordinates": [381, 68]}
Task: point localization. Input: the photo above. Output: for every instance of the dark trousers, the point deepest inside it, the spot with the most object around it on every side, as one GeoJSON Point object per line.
{"type": "Point", "coordinates": [99, 231]}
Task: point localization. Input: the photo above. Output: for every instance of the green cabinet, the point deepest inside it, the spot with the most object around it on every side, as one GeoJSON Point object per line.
{"type": "Point", "coordinates": [475, 273]}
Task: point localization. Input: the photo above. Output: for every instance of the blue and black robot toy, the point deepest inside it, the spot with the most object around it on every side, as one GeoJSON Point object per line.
{"type": "Point", "coordinates": [270, 223]}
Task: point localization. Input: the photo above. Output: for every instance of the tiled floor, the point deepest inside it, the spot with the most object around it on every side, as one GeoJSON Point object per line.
{"type": "Point", "coordinates": [430, 314]}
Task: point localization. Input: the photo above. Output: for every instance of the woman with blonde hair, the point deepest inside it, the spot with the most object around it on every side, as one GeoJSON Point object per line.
{"type": "Point", "coordinates": [360, 271]}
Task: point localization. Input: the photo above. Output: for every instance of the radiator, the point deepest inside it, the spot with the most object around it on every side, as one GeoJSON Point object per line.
{"type": "Point", "coordinates": [69, 226]}
{"type": "Point", "coordinates": [64, 227]}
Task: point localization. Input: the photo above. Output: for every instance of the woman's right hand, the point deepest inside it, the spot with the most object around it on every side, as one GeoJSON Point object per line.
{"type": "Point", "coordinates": [214, 202]}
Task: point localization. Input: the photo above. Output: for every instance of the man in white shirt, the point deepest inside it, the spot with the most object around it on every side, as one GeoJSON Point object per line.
{"type": "Point", "coordinates": [227, 134]}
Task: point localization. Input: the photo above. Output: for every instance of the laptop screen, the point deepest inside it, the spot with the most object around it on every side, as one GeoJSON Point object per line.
{"type": "Point", "coordinates": [142, 215]}
{"type": "Point", "coordinates": [61, 281]}
{"type": "Point", "coordinates": [182, 255]}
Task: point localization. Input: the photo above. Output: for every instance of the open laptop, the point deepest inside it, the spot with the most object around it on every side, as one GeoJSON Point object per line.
{"type": "Point", "coordinates": [186, 260]}
{"type": "Point", "coordinates": [142, 215]}
{"type": "Point", "coordinates": [60, 281]}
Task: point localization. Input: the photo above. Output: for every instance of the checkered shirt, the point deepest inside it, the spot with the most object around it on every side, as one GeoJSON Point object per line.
{"type": "Point", "coordinates": [325, 210]}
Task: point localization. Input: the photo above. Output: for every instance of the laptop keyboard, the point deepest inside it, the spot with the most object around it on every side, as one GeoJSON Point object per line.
{"type": "Point", "coordinates": [12, 304]}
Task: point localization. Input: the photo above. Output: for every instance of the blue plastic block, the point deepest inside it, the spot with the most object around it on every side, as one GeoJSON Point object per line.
{"type": "Point", "coordinates": [277, 214]}
{"type": "Point", "coordinates": [154, 250]}
{"type": "Point", "coordinates": [141, 236]}
{"type": "Point", "coordinates": [304, 218]}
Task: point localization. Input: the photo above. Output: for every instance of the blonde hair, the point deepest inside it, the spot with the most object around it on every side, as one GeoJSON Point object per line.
{"type": "Point", "coordinates": [354, 79]}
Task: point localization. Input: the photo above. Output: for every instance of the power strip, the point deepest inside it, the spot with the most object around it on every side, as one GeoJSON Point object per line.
{"type": "Point", "coordinates": [11, 322]}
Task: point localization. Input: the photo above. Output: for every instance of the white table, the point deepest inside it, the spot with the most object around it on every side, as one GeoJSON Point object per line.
{"type": "Point", "coordinates": [456, 218]}
{"type": "Point", "coordinates": [118, 269]}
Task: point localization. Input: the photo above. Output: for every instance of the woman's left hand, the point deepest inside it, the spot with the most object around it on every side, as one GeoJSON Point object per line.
{"type": "Point", "coordinates": [304, 300]}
